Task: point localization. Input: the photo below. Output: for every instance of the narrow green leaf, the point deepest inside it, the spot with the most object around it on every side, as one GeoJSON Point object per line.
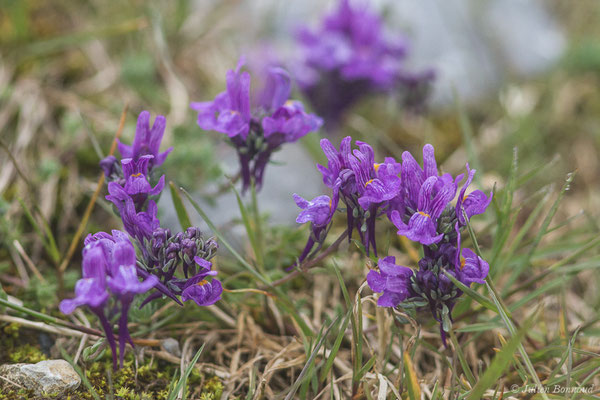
{"type": "Point", "coordinates": [182, 381]}
{"type": "Point", "coordinates": [182, 214]}
{"type": "Point", "coordinates": [412, 384]}
{"type": "Point", "coordinates": [542, 231]}
{"type": "Point", "coordinates": [484, 301]}
{"type": "Point", "coordinates": [462, 359]}
{"type": "Point", "coordinates": [499, 364]}
{"type": "Point", "coordinates": [335, 348]}
{"type": "Point", "coordinates": [310, 361]}
{"type": "Point", "coordinates": [365, 368]}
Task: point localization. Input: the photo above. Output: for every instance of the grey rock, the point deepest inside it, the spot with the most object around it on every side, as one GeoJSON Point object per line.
{"type": "Point", "coordinates": [55, 377]}
{"type": "Point", "coordinates": [171, 346]}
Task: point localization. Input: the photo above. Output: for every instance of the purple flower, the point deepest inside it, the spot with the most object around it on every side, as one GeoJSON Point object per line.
{"type": "Point", "coordinates": [393, 280]}
{"type": "Point", "coordinates": [474, 203]}
{"type": "Point", "coordinates": [199, 289]}
{"type": "Point", "coordinates": [147, 140]}
{"type": "Point", "coordinates": [364, 186]}
{"type": "Point", "coordinates": [472, 268]}
{"type": "Point", "coordinates": [257, 125]}
{"type": "Point", "coordinates": [109, 262]}
{"type": "Point", "coordinates": [89, 292]}
{"type": "Point", "coordinates": [140, 224]}
{"type": "Point", "coordinates": [434, 196]}
{"type": "Point", "coordinates": [319, 210]}
{"type": "Point", "coordinates": [136, 184]}
{"type": "Point", "coordinates": [229, 112]}
{"type": "Point", "coordinates": [350, 56]}
{"type": "Point", "coordinates": [291, 121]}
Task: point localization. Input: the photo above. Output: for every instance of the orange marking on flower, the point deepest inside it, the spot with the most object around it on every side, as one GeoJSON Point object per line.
{"type": "Point", "coordinates": [288, 103]}
{"type": "Point", "coordinates": [369, 181]}
{"type": "Point", "coordinates": [136, 175]}
{"type": "Point", "coordinates": [376, 166]}
{"type": "Point", "coordinates": [424, 214]}
{"type": "Point", "coordinates": [462, 263]}
{"type": "Point", "coordinates": [202, 282]}
{"type": "Point", "coordinates": [465, 197]}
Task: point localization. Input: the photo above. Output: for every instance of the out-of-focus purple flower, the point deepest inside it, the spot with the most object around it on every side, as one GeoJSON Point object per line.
{"type": "Point", "coordinates": [350, 56]}
{"type": "Point", "coordinates": [257, 125]}
{"type": "Point", "coordinates": [474, 203]}
{"type": "Point", "coordinates": [147, 140]}
{"type": "Point", "coordinates": [393, 280]}
{"type": "Point", "coordinates": [109, 263]}
{"type": "Point", "coordinates": [229, 112]}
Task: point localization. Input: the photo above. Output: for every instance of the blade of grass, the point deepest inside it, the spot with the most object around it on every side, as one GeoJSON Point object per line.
{"type": "Point", "coordinates": [467, 133]}
{"type": "Point", "coordinates": [248, 225]}
{"type": "Point", "coordinates": [259, 249]}
{"type": "Point", "coordinates": [282, 298]}
{"type": "Point", "coordinates": [412, 384]}
{"type": "Point", "coordinates": [310, 361]}
{"type": "Point", "coordinates": [461, 359]}
{"type": "Point", "coordinates": [335, 348]}
{"type": "Point", "coordinates": [181, 384]}
{"type": "Point", "coordinates": [182, 214]}
{"type": "Point", "coordinates": [542, 231]}
{"type": "Point", "coordinates": [484, 301]}
{"type": "Point", "coordinates": [499, 364]}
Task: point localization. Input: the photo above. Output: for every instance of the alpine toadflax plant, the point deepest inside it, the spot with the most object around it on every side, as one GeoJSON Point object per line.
{"type": "Point", "coordinates": [258, 125]}
{"type": "Point", "coordinates": [109, 284]}
{"type": "Point", "coordinates": [349, 56]}
{"type": "Point", "coordinates": [365, 187]}
{"type": "Point", "coordinates": [423, 212]}
{"type": "Point", "coordinates": [174, 265]}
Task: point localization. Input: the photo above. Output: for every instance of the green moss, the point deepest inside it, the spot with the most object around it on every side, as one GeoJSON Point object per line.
{"type": "Point", "coordinates": [27, 354]}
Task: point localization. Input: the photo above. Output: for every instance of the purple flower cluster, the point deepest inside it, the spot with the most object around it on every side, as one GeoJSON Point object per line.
{"type": "Point", "coordinates": [423, 212]}
{"type": "Point", "coordinates": [110, 277]}
{"type": "Point", "coordinates": [349, 56]}
{"type": "Point", "coordinates": [366, 188]}
{"type": "Point", "coordinates": [175, 265]}
{"type": "Point", "coordinates": [418, 201]}
{"type": "Point", "coordinates": [256, 126]}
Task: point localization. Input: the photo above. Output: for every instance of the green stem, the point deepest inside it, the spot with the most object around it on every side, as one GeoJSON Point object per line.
{"type": "Point", "coordinates": [260, 252]}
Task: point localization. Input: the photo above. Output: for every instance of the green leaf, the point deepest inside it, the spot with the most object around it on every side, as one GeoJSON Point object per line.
{"type": "Point", "coordinates": [484, 301]}
{"type": "Point", "coordinates": [310, 361]}
{"type": "Point", "coordinates": [499, 364]}
{"type": "Point", "coordinates": [182, 215]}
{"type": "Point", "coordinates": [335, 348]}
{"type": "Point", "coordinates": [181, 384]}
{"type": "Point", "coordinates": [412, 384]}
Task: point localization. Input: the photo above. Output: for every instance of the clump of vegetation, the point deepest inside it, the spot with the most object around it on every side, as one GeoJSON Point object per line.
{"type": "Point", "coordinates": [414, 276]}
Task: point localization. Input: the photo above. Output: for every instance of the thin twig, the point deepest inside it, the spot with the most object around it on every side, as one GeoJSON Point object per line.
{"type": "Point", "coordinates": [28, 261]}
{"type": "Point", "coordinates": [310, 264]}
{"type": "Point", "coordinates": [90, 206]}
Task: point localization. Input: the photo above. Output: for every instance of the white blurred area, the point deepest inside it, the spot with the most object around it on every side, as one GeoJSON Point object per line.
{"type": "Point", "coordinates": [474, 45]}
